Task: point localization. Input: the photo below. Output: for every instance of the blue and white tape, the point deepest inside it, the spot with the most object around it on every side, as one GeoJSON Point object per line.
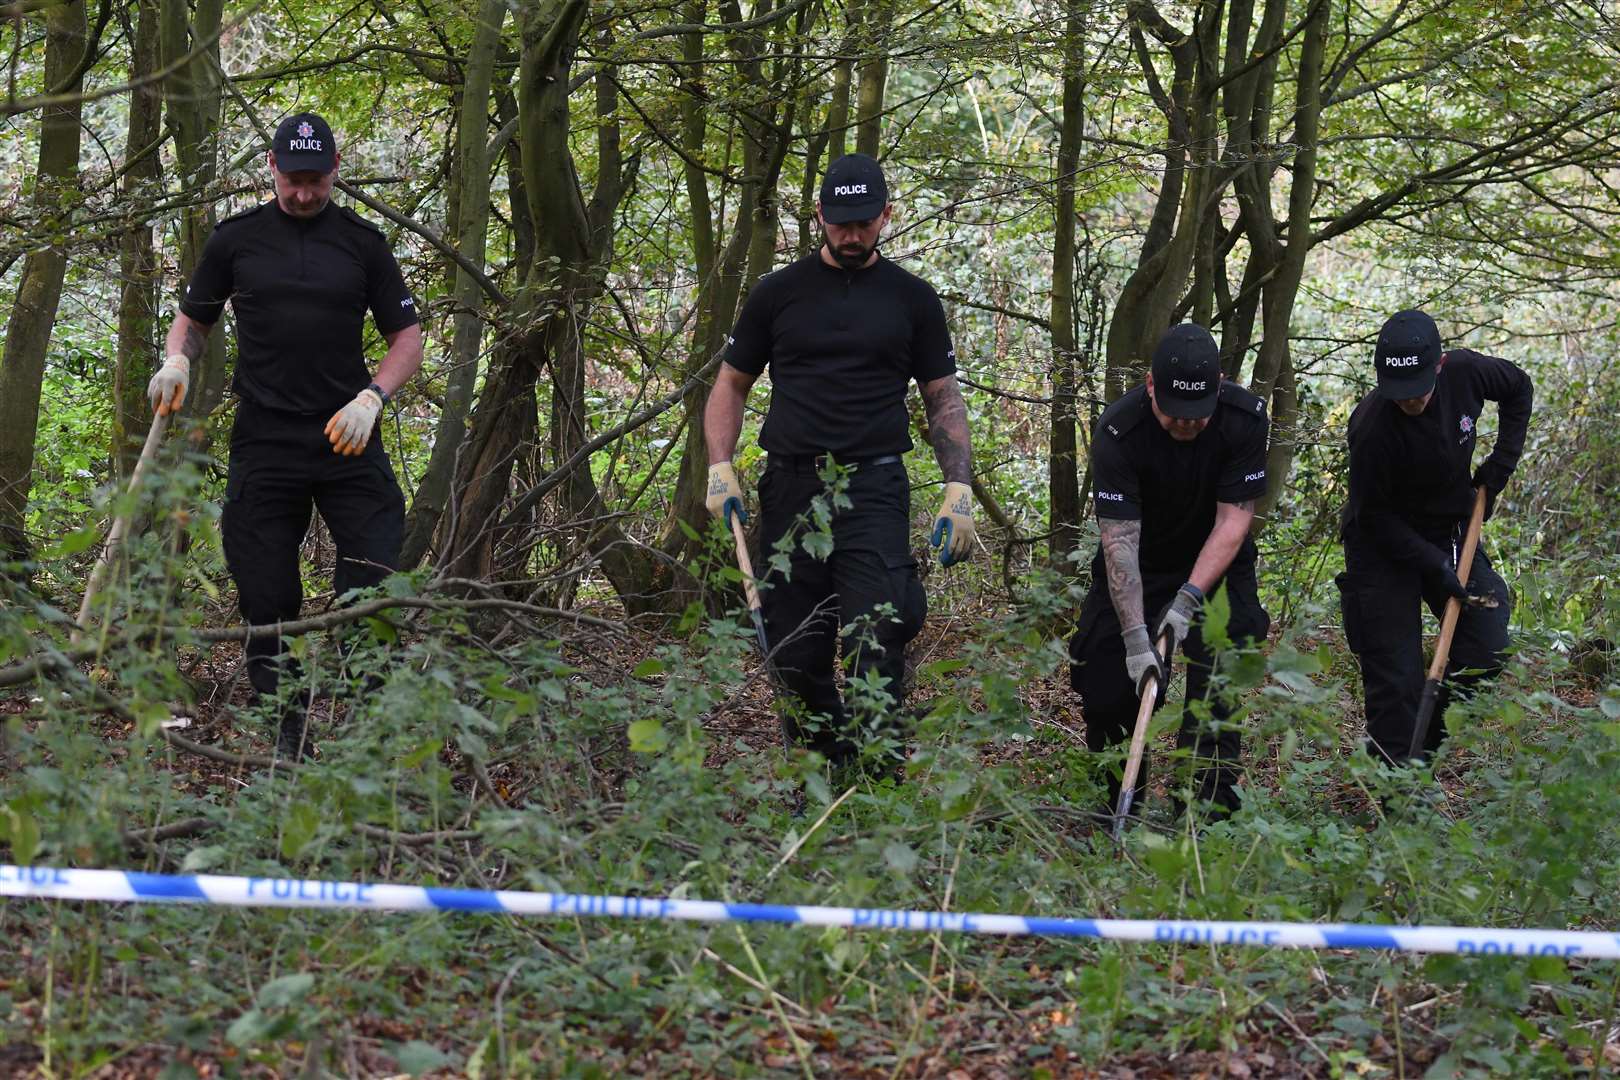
{"type": "Point", "coordinates": [129, 887]}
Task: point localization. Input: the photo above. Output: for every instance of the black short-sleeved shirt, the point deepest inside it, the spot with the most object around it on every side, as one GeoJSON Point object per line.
{"type": "Point", "coordinates": [1138, 472]}
{"type": "Point", "coordinates": [1412, 475]}
{"type": "Point", "coordinates": [300, 289]}
{"type": "Point", "coordinates": [842, 346]}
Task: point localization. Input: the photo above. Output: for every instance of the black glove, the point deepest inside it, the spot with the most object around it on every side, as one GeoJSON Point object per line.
{"type": "Point", "coordinates": [1493, 477]}
{"type": "Point", "coordinates": [1441, 576]}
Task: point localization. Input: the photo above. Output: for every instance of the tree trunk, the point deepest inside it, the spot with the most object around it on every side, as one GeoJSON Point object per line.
{"type": "Point", "coordinates": [139, 274]}
{"type": "Point", "coordinates": [874, 76]}
{"type": "Point", "coordinates": [28, 333]}
{"type": "Point", "coordinates": [1274, 375]}
{"type": "Point", "coordinates": [192, 97]}
{"type": "Point", "coordinates": [1063, 477]}
{"type": "Point", "coordinates": [472, 218]}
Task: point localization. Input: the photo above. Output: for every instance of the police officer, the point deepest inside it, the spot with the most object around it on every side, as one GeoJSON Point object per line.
{"type": "Point", "coordinates": [844, 331]}
{"type": "Point", "coordinates": [1176, 467]}
{"type": "Point", "coordinates": [300, 274]}
{"type": "Point", "coordinates": [1411, 494]}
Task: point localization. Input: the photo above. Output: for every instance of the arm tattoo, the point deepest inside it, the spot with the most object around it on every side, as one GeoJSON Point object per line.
{"type": "Point", "coordinates": [1247, 506]}
{"type": "Point", "coordinates": [948, 430]}
{"type": "Point", "coordinates": [196, 341]}
{"type": "Point", "coordinates": [1121, 541]}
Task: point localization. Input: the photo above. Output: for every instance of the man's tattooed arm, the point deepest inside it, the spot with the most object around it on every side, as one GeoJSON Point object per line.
{"type": "Point", "coordinates": [948, 429]}
{"type": "Point", "coordinates": [1121, 542]}
{"type": "Point", "coordinates": [196, 341]}
{"type": "Point", "coordinates": [188, 337]}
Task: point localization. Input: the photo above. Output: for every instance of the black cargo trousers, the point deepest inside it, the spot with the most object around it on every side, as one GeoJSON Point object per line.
{"type": "Point", "coordinates": [281, 466]}
{"type": "Point", "coordinates": [1109, 699]}
{"type": "Point", "coordinates": [1383, 625]}
{"type": "Point", "coordinates": [866, 591]}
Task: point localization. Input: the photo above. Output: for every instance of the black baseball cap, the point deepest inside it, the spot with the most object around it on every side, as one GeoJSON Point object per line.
{"type": "Point", "coordinates": [1186, 372]}
{"type": "Point", "coordinates": [304, 142]}
{"type": "Point", "coordinates": [853, 190]}
{"type": "Point", "coordinates": [1407, 355]}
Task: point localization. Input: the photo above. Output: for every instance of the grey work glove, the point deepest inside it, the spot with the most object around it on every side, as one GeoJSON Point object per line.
{"type": "Point", "coordinates": [1176, 618]}
{"type": "Point", "coordinates": [1140, 659]}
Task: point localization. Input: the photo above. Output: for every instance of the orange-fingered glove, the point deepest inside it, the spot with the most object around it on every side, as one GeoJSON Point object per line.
{"type": "Point", "coordinates": [349, 430]}
{"type": "Point", "coordinates": [166, 390]}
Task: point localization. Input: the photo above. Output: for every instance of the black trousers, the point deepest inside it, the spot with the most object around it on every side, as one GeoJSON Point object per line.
{"type": "Point", "coordinates": [1383, 626]}
{"type": "Point", "coordinates": [865, 590]}
{"type": "Point", "coordinates": [1097, 673]}
{"type": "Point", "coordinates": [281, 466]}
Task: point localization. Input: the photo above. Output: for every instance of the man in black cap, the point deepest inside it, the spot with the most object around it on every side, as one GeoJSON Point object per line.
{"type": "Point", "coordinates": [1411, 494]}
{"type": "Point", "coordinates": [844, 332]}
{"type": "Point", "coordinates": [1176, 466]}
{"type": "Point", "coordinates": [300, 274]}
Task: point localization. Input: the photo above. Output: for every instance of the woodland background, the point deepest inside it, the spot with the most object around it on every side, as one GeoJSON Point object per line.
{"type": "Point", "coordinates": [581, 195]}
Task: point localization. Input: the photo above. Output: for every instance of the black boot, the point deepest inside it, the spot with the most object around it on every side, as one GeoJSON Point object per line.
{"type": "Point", "coordinates": [293, 741]}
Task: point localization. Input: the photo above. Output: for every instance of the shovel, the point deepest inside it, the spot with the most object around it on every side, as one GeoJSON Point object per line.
{"type": "Point", "coordinates": [1133, 763]}
{"type": "Point", "coordinates": [1448, 629]}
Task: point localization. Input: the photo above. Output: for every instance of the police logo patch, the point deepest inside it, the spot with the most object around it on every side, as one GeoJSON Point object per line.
{"type": "Point", "coordinates": [305, 130]}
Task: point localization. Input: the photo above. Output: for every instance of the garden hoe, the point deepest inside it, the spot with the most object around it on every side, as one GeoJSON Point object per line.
{"type": "Point", "coordinates": [120, 525]}
{"type": "Point", "coordinates": [1133, 763]}
{"type": "Point", "coordinates": [1448, 629]}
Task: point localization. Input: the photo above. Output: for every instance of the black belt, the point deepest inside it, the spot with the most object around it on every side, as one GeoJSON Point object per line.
{"type": "Point", "coordinates": [814, 463]}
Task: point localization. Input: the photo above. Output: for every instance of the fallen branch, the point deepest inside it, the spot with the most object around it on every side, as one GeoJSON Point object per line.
{"type": "Point", "coordinates": [54, 660]}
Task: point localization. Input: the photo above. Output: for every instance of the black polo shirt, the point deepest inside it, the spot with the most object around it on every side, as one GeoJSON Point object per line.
{"type": "Point", "coordinates": [1139, 473]}
{"type": "Point", "coordinates": [842, 347]}
{"type": "Point", "coordinates": [300, 289]}
{"type": "Point", "coordinates": [1411, 476]}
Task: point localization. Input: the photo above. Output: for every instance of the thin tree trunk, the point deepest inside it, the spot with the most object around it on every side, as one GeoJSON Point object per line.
{"type": "Point", "coordinates": [192, 98]}
{"type": "Point", "coordinates": [874, 77]}
{"type": "Point", "coordinates": [1274, 375]}
{"type": "Point", "coordinates": [28, 332]}
{"type": "Point", "coordinates": [1063, 478]}
{"type": "Point", "coordinates": [138, 270]}
{"type": "Point", "coordinates": [472, 217]}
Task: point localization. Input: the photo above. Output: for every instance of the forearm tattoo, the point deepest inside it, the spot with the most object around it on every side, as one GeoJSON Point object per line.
{"type": "Point", "coordinates": [196, 341]}
{"type": "Point", "coordinates": [948, 430]}
{"type": "Point", "coordinates": [1121, 541]}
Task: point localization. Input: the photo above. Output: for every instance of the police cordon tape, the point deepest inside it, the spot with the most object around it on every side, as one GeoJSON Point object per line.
{"type": "Point", "coordinates": [129, 887]}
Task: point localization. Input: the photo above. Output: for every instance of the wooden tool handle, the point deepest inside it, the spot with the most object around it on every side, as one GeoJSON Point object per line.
{"type": "Point", "coordinates": [1465, 563]}
{"type": "Point", "coordinates": [120, 525]}
{"type": "Point", "coordinates": [745, 563]}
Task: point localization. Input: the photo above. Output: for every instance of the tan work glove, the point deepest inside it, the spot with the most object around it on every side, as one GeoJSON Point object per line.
{"type": "Point", "coordinates": [350, 428]}
{"type": "Point", "coordinates": [725, 493]}
{"type": "Point", "coordinates": [166, 390]}
{"type": "Point", "coordinates": [953, 525]}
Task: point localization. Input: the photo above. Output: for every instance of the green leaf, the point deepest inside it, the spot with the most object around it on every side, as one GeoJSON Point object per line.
{"type": "Point", "coordinates": [250, 1027]}
{"type": "Point", "coordinates": [286, 991]}
{"type": "Point", "coordinates": [420, 754]}
{"type": "Point", "coordinates": [648, 668]}
{"type": "Point", "coordinates": [900, 857]}
{"type": "Point", "coordinates": [647, 736]}
{"type": "Point", "coordinates": [74, 542]}
{"type": "Point", "coordinates": [417, 1057]}
{"type": "Point", "coordinates": [941, 667]}
{"type": "Point", "coordinates": [382, 630]}
{"type": "Point", "coordinates": [203, 858]}
{"type": "Point", "coordinates": [1610, 704]}
{"type": "Point", "coordinates": [299, 827]}
{"type": "Point", "coordinates": [22, 832]}
{"type": "Point", "coordinates": [1217, 616]}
